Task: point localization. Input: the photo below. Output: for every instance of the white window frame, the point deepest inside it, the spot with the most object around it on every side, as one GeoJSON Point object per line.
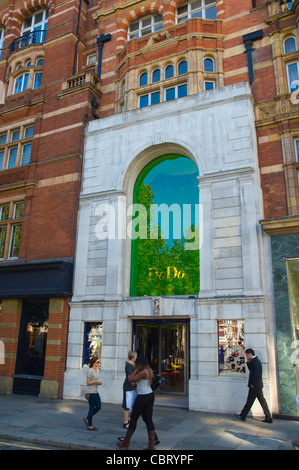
{"type": "Point", "coordinates": [193, 13]}
{"type": "Point", "coordinates": [150, 98]}
{"type": "Point", "coordinates": [176, 88]}
{"type": "Point", "coordinates": [213, 61]}
{"type": "Point", "coordinates": [209, 81]}
{"type": "Point", "coordinates": [288, 75]}
{"type": "Point", "coordinates": [22, 76]}
{"type": "Point", "coordinates": [2, 36]}
{"type": "Point", "coordinates": [40, 26]}
{"type": "Point", "coordinates": [141, 29]}
{"type": "Point", "coordinates": [296, 143]}
{"type": "Point", "coordinates": [284, 44]}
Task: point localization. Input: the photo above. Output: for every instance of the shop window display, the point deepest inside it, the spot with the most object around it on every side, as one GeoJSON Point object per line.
{"type": "Point", "coordinates": [231, 348]}
{"type": "Point", "coordinates": [92, 346]}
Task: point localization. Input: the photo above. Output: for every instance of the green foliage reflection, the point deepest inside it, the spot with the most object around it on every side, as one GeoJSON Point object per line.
{"type": "Point", "coordinates": [162, 265]}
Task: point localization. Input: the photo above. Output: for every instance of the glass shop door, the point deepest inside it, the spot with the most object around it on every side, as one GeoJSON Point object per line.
{"type": "Point", "coordinates": [166, 345]}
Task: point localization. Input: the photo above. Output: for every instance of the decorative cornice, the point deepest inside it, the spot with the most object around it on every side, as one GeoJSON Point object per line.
{"type": "Point", "coordinates": [281, 225]}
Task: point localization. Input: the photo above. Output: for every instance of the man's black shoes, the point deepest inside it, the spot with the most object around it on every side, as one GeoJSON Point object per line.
{"type": "Point", "coordinates": [239, 416]}
{"type": "Point", "coordinates": [267, 420]}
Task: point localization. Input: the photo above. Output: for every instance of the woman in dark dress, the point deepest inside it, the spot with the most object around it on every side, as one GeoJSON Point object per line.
{"type": "Point", "coordinates": [127, 386]}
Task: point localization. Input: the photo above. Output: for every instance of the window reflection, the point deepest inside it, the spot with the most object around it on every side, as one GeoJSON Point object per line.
{"type": "Point", "coordinates": [165, 245]}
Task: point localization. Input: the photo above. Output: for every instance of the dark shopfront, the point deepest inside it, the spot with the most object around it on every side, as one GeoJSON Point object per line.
{"type": "Point", "coordinates": [33, 326]}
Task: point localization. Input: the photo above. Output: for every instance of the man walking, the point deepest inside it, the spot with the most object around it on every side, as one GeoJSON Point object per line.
{"type": "Point", "coordinates": [255, 384]}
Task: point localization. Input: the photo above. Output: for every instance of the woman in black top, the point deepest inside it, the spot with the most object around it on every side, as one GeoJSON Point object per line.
{"type": "Point", "coordinates": [127, 386]}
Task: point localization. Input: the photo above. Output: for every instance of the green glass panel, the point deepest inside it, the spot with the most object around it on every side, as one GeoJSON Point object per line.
{"type": "Point", "coordinates": [293, 288]}
{"type": "Point", "coordinates": [165, 229]}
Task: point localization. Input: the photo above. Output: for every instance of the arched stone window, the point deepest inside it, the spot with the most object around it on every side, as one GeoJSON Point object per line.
{"type": "Point", "coordinates": [165, 228]}
{"type": "Point", "coordinates": [290, 45]}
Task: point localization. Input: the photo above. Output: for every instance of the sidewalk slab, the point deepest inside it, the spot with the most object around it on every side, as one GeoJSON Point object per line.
{"type": "Point", "coordinates": [59, 423]}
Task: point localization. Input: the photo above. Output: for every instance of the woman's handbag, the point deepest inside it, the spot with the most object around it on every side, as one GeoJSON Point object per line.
{"type": "Point", "coordinates": [86, 396]}
{"type": "Point", "coordinates": [130, 398]}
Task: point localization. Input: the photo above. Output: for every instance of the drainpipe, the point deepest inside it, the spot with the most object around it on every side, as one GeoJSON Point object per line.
{"type": "Point", "coordinates": [248, 41]}
{"type": "Point", "coordinates": [100, 42]}
{"type": "Point", "coordinates": [79, 37]}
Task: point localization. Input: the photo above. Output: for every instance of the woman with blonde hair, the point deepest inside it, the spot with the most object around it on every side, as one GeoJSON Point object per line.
{"type": "Point", "coordinates": [143, 404]}
{"type": "Point", "coordinates": [127, 386]}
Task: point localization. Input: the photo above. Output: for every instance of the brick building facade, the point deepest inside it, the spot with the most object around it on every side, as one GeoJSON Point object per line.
{"type": "Point", "coordinates": [123, 62]}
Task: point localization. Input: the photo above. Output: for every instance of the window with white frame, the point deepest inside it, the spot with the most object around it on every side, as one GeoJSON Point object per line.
{"type": "Point", "coordinates": [2, 35]}
{"type": "Point", "coordinates": [37, 24]}
{"type": "Point", "coordinates": [175, 92]}
{"type": "Point", "coordinates": [297, 150]}
{"type": "Point", "coordinates": [290, 45]}
{"type": "Point", "coordinates": [209, 65]}
{"type": "Point", "coordinates": [149, 99]}
{"type": "Point", "coordinates": [209, 85]}
{"type": "Point", "coordinates": [163, 89]}
{"type": "Point", "coordinates": [196, 9]}
{"type": "Point", "coordinates": [145, 25]}
{"type": "Point", "coordinates": [293, 76]}
{"type": "Point", "coordinates": [11, 215]}
{"type": "Point", "coordinates": [91, 59]}
{"type": "Point", "coordinates": [30, 78]}
{"type": "Point", "coordinates": [15, 147]}
{"type": "Point", "coordinates": [21, 83]}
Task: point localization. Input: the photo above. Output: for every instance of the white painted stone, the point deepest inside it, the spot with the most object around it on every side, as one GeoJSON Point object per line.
{"type": "Point", "coordinates": [216, 130]}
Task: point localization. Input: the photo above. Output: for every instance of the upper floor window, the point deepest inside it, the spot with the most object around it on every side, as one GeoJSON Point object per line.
{"type": "Point", "coordinates": [182, 67]}
{"type": "Point", "coordinates": [30, 78]}
{"type": "Point", "coordinates": [145, 25]}
{"type": "Point", "coordinates": [209, 65]}
{"type": "Point", "coordinates": [15, 147]}
{"type": "Point", "coordinates": [169, 71]}
{"type": "Point", "coordinates": [293, 76]}
{"type": "Point", "coordinates": [197, 9]}
{"type": "Point", "coordinates": [290, 45]}
{"type": "Point", "coordinates": [21, 83]}
{"type": "Point", "coordinates": [11, 215]}
{"type": "Point", "coordinates": [143, 79]}
{"type": "Point", "coordinates": [36, 23]}
{"type": "Point", "coordinates": [156, 75]}
{"type": "Point", "coordinates": [2, 35]}
{"type": "Point", "coordinates": [34, 30]}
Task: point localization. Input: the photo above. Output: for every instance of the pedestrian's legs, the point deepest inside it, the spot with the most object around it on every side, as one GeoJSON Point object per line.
{"type": "Point", "coordinates": [136, 412]}
{"type": "Point", "coordinates": [252, 393]}
{"type": "Point", "coordinates": [147, 412]}
{"type": "Point", "coordinates": [94, 406]}
{"type": "Point", "coordinates": [264, 405]}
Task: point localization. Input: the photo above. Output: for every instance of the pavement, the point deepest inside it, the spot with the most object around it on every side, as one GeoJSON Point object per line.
{"type": "Point", "coordinates": [59, 423]}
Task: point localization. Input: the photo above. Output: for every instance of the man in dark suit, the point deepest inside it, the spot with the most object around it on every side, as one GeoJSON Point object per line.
{"type": "Point", "coordinates": [255, 384]}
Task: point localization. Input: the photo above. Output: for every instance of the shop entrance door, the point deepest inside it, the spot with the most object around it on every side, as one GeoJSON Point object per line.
{"type": "Point", "coordinates": [166, 345]}
{"type": "Point", "coordinates": [31, 352]}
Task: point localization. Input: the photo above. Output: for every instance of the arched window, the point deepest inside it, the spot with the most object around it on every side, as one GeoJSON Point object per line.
{"type": "Point", "coordinates": [290, 45]}
{"type": "Point", "coordinates": [156, 75]}
{"type": "Point", "coordinates": [21, 83]}
{"type": "Point", "coordinates": [40, 62]}
{"type": "Point", "coordinates": [182, 67]}
{"type": "Point", "coordinates": [165, 227]}
{"type": "Point", "coordinates": [209, 65]}
{"type": "Point", "coordinates": [34, 28]}
{"type": "Point", "coordinates": [145, 25]}
{"type": "Point", "coordinates": [169, 71]}
{"type": "Point", "coordinates": [143, 79]}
